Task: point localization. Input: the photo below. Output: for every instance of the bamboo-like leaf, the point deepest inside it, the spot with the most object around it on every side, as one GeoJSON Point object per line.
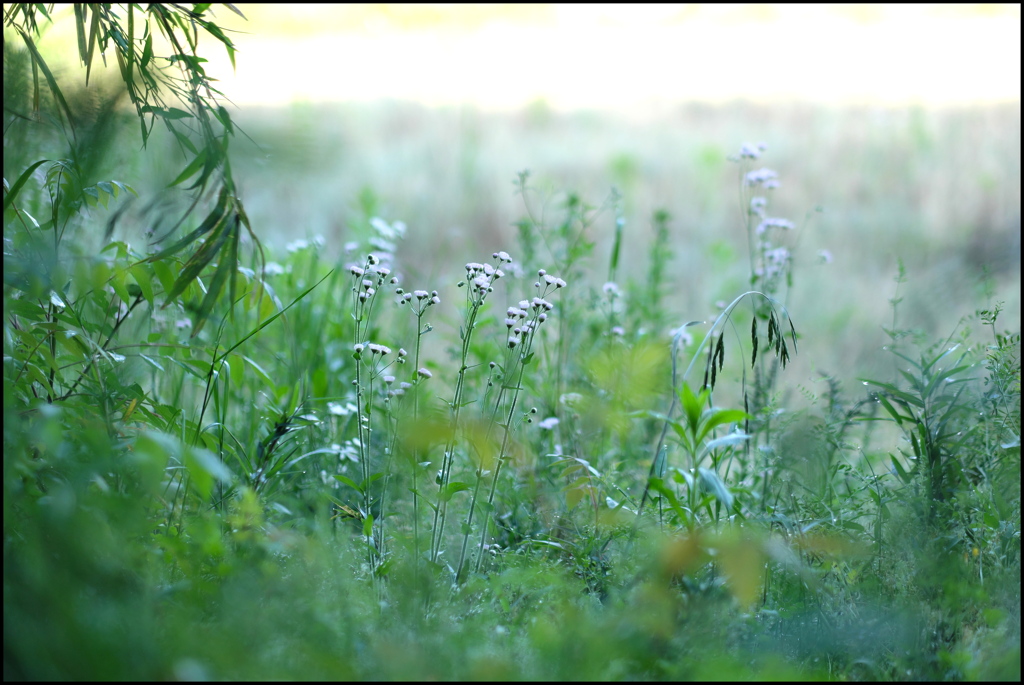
{"type": "Point", "coordinates": [896, 393]}
{"type": "Point", "coordinates": [943, 376]}
{"type": "Point", "coordinates": [909, 360]}
{"type": "Point", "coordinates": [147, 52]}
{"type": "Point", "coordinates": [899, 418]}
{"type": "Point", "coordinates": [190, 170]}
{"type": "Point", "coordinates": [900, 472]}
{"type": "Point", "coordinates": [12, 193]}
{"type": "Point", "coordinates": [211, 222]}
{"type": "Point", "coordinates": [349, 482]}
{"type": "Point", "coordinates": [129, 49]}
{"type": "Point", "coordinates": [200, 260]}
{"type": "Point", "coordinates": [226, 267]}
{"type": "Point", "coordinates": [93, 37]}
{"type": "Point", "coordinates": [926, 366]}
{"type": "Point", "coordinates": [80, 32]}
{"type": "Point", "coordinates": [38, 61]}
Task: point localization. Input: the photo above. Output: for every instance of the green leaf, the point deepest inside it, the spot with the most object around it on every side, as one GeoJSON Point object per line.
{"type": "Point", "coordinates": [900, 472]}
{"type": "Point", "coordinates": [658, 486]}
{"type": "Point", "coordinates": [897, 417]}
{"type": "Point", "coordinates": [199, 261]}
{"type": "Point", "coordinates": [692, 406]}
{"type": "Point", "coordinates": [726, 441]}
{"type": "Point", "coordinates": [718, 417]}
{"type": "Point", "coordinates": [944, 376]}
{"type": "Point", "coordinates": [713, 483]}
{"type": "Point", "coordinates": [349, 482]}
{"type": "Point", "coordinates": [11, 194]}
{"type": "Point", "coordinates": [144, 279]}
{"type": "Point", "coordinates": [449, 490]}
{"type": "Point", "coordinates": [147, 53]}
{"type": "Point", "coordinates": [189, 171]}
{"type": "Point", "coordinates": [38, 60]}
{"type": "Point", "coordinates": [205, 467]}
{"type": "Point", "coordinates": [896, 393]}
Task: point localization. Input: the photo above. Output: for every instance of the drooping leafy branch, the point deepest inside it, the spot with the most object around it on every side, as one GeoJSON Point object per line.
{"type": "Point", "coordinates": [174, 89]}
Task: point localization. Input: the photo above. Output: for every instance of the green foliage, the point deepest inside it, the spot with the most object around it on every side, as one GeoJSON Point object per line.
{"type": "Point", "coordinates": [148, 79]}
{"type": "Point", "coordinates": [311, 488]}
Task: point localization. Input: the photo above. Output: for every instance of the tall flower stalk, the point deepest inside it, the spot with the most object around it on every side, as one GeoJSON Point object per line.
{"type": "Point", "coordinates": [367, 280]}
{"type": "Point", "coordinates": [523, 323]}
{"type": "Point", "coordinates": [423, 300]}
{"type": "Point", "coordinates": [479, 284]}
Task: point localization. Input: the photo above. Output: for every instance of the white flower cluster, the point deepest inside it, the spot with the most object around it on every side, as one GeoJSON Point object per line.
{"type": "Point", "coordinates": [422, 297]}
{"type": "Point", "coordinates": [774, 222]}
{"type": "Point", "coordinates": [751, 151]}
{"type": "Point", "coordinates": [481, 277]}
{"type": "Point", "coordinates": [520, 327]}
{"type": "Point", "coordinates": [302, 244]}
{"type": "Point", "coordinates": [549, 281]}
{"type": "Point", "coordinates": [775, 262]}
{"type": "Point", "coordinates": [369, 278]}
{"type": "Point", "coordinates": [765, 178]}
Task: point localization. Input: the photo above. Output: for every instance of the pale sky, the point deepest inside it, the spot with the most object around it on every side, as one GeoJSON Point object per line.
{"type": "Point", "coordinates": [620, 56]}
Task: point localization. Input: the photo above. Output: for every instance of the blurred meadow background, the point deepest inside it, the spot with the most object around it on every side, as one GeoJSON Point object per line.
{"type": "Point", "coordinates": [243, 500]}
{"type": "Point", "coordinates": [895, 133]}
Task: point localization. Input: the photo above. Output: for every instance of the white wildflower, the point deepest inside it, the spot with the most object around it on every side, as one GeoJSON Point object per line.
{"type": "Point", "coordinates": [749, 151]}
{"type": "Point", "coordinates": [760, 177]}
{"type": "Point", "coordinates": [570, 399]}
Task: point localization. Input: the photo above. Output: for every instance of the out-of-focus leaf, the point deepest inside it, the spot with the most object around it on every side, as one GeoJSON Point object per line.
{"type": "Point", "coordinates": [38, 60]}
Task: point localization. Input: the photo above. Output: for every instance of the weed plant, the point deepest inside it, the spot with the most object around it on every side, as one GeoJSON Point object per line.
{"type": "Point", "coordinates": [250, 462]}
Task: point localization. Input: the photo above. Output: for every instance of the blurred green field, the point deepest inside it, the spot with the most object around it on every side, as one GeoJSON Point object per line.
{"type": "Point", "coordinates": [936, 188]}
{"type": "Point", "coordinates": [939, 189]}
